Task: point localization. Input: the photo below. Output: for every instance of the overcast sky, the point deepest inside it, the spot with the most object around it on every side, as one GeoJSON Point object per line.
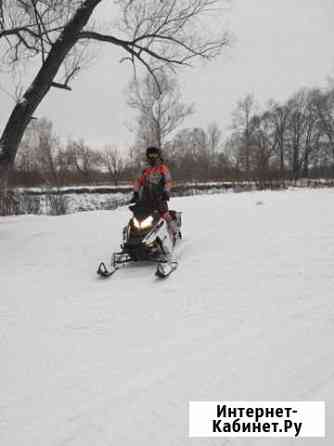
{"type": "Point", "coordinates": [280, 46]}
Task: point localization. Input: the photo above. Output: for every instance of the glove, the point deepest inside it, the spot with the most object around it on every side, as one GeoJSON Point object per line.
{"type": "Point", "coordinates": [165, 196]}
{"type": "Point", "coordinates": [134, 198]}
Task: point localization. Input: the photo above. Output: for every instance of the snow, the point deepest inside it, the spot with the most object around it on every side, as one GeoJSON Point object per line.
{"type": "Point", "coordinates": [88, 202]}
{"type": "Point", "coordinates": [248, 315]}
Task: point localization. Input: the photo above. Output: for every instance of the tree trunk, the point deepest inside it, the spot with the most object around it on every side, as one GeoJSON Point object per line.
{"type": "Point", "coordinates": [23, 111]}
{"type": "Point", "coordinates": [295, 163]}
{"type": "Point", "coordinates": [306, 164]}
{"type": "Point", "coordinates": [281, 138]}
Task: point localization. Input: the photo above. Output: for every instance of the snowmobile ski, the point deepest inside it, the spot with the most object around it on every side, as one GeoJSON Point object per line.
{"type": "Point", "coordinates": [103, 271]}
{"type": "Point", "coordinates": [165, 269]}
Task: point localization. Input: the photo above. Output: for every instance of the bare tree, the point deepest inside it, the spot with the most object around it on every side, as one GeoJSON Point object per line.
{"type": "Point", "coordinates": [150, 32]}
{"type": "Point", "coordinates": [48, 147]}
{"type": "Point", "coordinates": [159, 108]}
{"type": "Point", "coordinates": [39, 153]}
{"type": "Point", "coordinates": [113, 162]}
{"type": "Point", "coordinates": [312, 134]}
{"type": "Point", "coordinates": [26, 162]}
{"type": "Point", "coordinates": [303, 132]}
{"type": "Point", "coordinates": [214, 136]}
{"type": "Point", "coordinates": [84, 160]}
{"type": "Point", "coordinates": [263, 145]}
{"type": "Point", "coordinates": [278, 116]}
{"type": "Point", "coordinates": [243, 126]}
{"type": "Point", "coordinates": [324, 105]}
{"type": "Point", "coordinates": [194, 152]}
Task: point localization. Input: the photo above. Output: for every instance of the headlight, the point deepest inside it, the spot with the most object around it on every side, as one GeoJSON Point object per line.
{"type": "Point", "coordinates": [136, 223]}
{"type": "Point", "coordinates": [147, 222]}
{"type": "Point", "coordinates": [144, 224]}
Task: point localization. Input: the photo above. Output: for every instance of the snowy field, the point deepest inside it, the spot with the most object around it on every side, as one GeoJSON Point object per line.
{"type": "Point", "coordinates": [248, 315]}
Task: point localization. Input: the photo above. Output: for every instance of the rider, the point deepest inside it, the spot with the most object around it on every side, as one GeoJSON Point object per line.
{"type": "Point", "coordinates": [154, 185]}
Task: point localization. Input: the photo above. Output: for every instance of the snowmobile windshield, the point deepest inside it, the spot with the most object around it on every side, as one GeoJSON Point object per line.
{"type": "Point", "coordinates": [141, 211]}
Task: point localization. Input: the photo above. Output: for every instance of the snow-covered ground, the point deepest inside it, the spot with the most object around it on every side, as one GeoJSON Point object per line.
{"type": "Point", "coordinates": [248, 315]}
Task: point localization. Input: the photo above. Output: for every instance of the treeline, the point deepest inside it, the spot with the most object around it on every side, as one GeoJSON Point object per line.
{"type": "Point", "coordinates": [43, 160]}
{"type": "Point", "coordinates": [291, 140]}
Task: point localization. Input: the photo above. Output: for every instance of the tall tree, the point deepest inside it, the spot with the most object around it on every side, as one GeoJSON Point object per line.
{"type": "Point", "coordinates": [83, 160]}
{"type": "Point", "coordinates": [323, 102]}
{"type": "Point", "coordinates": [152, 33]}
{"type": "Point", "coordinates": [278, 115]}
{"type": "Point", "coordinates": [243, 127]}
{"type": "Point", "coordinates": [158, 103]}
{"type": "Point", "coordinates": [303, 132]}
{"type": "Point", "coordinates": [39, 149]}
{"type": "Point", "coordinates": [113, 162]}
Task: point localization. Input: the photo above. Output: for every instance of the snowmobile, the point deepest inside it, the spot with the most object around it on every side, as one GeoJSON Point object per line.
{"type": "Point", "coordinates": [146, 238]}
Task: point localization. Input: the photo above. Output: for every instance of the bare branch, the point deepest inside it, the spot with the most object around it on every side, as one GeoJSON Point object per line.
{"type": "Point", "coordinates": [103, 38]}
{"type": "Point", "coordinates": [153, 33]}
{"type": "Point", "coordinates": [39, 27]}
{"type": "Point", "coordinates": [61, 86]}
{"type": "Point", "coordinates": [165, 32]}
{"type": "Point", "coordinates": [159, 107]}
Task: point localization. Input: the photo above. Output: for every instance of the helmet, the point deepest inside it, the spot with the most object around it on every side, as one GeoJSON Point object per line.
{"type": "Point", "coordinates": [153, 153]}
